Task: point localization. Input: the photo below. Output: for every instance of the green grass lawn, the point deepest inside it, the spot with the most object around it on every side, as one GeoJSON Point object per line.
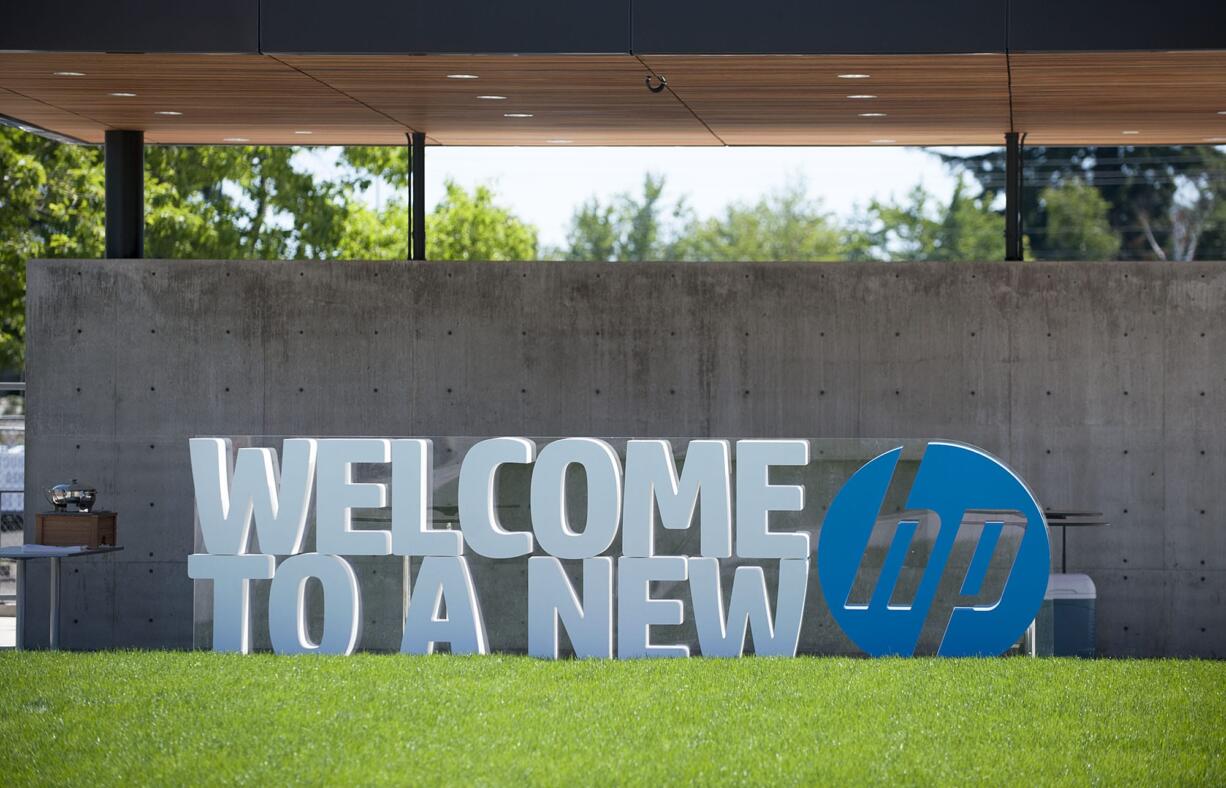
{"type": "Point", "coordinates": [173, 718]}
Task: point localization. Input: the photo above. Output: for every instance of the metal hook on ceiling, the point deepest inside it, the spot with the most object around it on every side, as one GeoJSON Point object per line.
{"type": "Point", "coordinates": [655, 82]}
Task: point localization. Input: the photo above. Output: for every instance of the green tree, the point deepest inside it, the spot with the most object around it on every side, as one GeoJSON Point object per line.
{"type": "Point", "coordinates": [1165, 202]}
{"type": "Point", "coordinates": [467, 226]}
{"type": "Point", "coordinates": [628, 228]}
{"type": "Point", "coordinates": [783, 225]}
{"type": "Point", "coordinates": [970, 229]}
{"type": "Point", "coordinates": [462, 226]}
{"type": "Point", "coordinates": [51, 205]}
{"type": "Point", "coordinates": [593, 233]}
{"type": "Point", "coordinates": [376, 234]}
{"type": "Point", "coordinates": [921, 228]}
{"type": "Point", "coordinates": [387, 162]}
{"type": "Point", "coordinates": [241, 203]}
{"type": "Point", "coordinates": [642, 235]}
{"type": "Point", "coordinates": [1077, 226]}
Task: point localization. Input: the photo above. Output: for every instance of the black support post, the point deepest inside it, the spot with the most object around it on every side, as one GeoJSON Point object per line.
{"type": "Point", "coordinates": [125, 194]}
{"type": "Point", "coordinates": [1013, 196]}
{"type": "Point", "coordinates": [417, 199]}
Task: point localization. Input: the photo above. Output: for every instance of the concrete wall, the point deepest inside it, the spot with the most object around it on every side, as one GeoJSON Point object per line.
{"type": "Point", "coordinates": [1103, 385]}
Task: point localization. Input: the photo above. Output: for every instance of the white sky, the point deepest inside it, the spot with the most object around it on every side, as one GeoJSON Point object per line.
{"type": "Point", "coordinates": [544, 185]}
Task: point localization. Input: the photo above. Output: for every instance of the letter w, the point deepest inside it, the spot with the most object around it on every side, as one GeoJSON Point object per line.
{"type": "Point", "coordinates": [749, 607]}
{"type": "Point", "coordinates": [227, 498]}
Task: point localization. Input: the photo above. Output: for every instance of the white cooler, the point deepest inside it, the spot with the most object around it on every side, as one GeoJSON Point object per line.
{"type": "Point", "coordinates": [1065, 624]}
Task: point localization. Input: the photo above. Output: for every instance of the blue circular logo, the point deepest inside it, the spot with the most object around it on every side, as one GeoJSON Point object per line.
{"type": "Point", "coordinates": [952, 480]}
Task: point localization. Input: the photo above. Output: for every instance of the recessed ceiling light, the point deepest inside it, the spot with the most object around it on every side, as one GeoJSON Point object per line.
{"type": "Point", "coordinates": [122, 94]}
{"type": "Point", "coordinates": [304, 132]}
{"type": "Point", "coordinates": [854, 76]}
{"type": "Point", "coordinates": [559, 142]}
{"type": "Point", "coordinates": [1130, 132]}
{"type": "Point", "coordinates": [492, 98]}
{"type": "Point", "coordinates": [235, 139]}
{"type": "Point", "coordinates": [872, 114]}
{"type": "Point", "coordinates": [884, 142]}
{"type": "Point", "coordinates": [517, 115]}
{"type": "Point", "coordinates": [463, 76]}
{"type": "Point", "coordinates": [167, 112]}
{"type": "Point", "coordinates": [1218, 140]}
{"type": "Point", "coordinates": [67, 73]}
{"type": "Point", "coordinates": [861, 96]}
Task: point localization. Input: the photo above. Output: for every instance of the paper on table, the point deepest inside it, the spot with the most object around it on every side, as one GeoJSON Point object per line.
{"type": "Point", "coordinates": [46, 549]}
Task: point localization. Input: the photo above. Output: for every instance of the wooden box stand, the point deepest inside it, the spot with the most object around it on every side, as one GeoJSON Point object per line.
{"type": "Point", "coordinates": [69, 529]}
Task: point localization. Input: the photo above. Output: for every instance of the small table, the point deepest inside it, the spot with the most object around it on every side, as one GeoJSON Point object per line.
{"type": "Point", "coordinates": [1064, 519]}
{"type": "Point", "coordinates": [26, 552]}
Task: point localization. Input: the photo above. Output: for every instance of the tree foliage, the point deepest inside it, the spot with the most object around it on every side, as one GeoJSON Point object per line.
{"type": "Point", "coordinates": [921, 228]}
{"type": "Point", "coordinates": [462, 226]}
{"type": "Point", "coordinates": [628, 228]}
{"type": "Point", "coordinates": [1164, 202]}
{"type": "Point", "coordinates": [51, 204]}
{"type": "Point", "coordinates": [376, 233]}
{"type": "Point", "coordinates": [1077, 221]}
{"type": "Point", "coordinates": [466, 226]}
{"type": "Point", "coordinates": [785, 224]}
{"type": "Point", "coordinates": [240, 203]}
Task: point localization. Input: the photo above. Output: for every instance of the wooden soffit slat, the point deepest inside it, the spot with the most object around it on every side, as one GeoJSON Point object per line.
{"type": "Point", "coordinates": [586, 99]}
{"type": "Point", "coordinates": [1076, 99]}
{"type": "Point", "coordinates": [1057, 98]}
{"type": "Point", "coordinates": [251, 97]}
{"type": "Point", "coordinates": [803, 100]}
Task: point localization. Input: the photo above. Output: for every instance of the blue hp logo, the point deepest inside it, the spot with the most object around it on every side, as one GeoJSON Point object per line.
{"type": "Point", "coordinates": [952, 480]}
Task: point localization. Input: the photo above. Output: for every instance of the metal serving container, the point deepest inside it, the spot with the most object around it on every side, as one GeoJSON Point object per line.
{"type": "Point", "coordinates": [75, 494]}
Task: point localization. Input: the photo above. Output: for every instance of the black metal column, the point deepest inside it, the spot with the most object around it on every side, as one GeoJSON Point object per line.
{"type": "Point", "coordinates": [1013, 196]}
{"type": "Point", "coordinates": [417, 200]}
{"type": "Point", "coordinates": [125, 194]}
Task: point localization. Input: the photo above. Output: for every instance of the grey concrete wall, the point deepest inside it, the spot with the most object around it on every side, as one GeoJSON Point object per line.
{"type": "Point", "coordinates": [1103, 385]}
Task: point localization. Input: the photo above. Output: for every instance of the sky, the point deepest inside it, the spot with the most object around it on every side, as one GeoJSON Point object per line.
{"type": "Point", "coordinates": [544, 185]}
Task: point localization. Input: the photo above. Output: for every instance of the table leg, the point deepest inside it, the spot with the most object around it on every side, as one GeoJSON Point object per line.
{"type": "Point", "coordinates": [21, 605]}
{"type": "Point", "coordinates": [53, 602]}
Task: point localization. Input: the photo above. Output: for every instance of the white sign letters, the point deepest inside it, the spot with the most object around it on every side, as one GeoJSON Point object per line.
{"type": "Point", "coordinates": [254, 511]}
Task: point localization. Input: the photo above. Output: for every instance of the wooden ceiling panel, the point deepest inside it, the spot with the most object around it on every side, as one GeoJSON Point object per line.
{"type": "Point", "coordinates": [1079, 99]}
{"type": "Point", "coordinates": [802, 100]}
{"type": "Point", "coordinates": [1057, 98]}
{"type": "Point", "coordinates": [37, 113]}
{"type": "Point", "coordinates": [585, 99]}
{"type": "Point", "coordinates": [242, 97]}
